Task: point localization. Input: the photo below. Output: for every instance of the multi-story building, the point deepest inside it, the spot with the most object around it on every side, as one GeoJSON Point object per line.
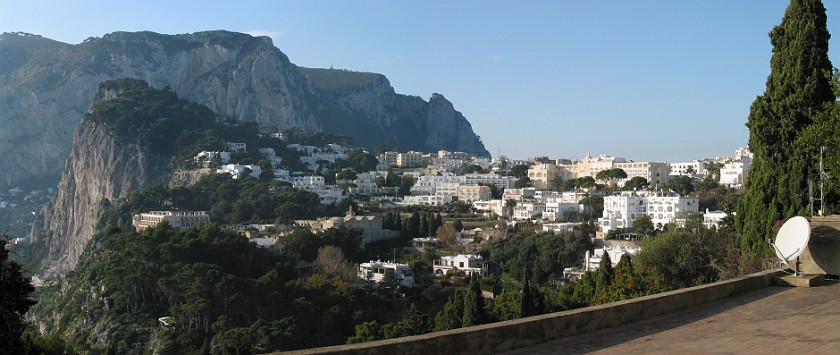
{"type": "Point", "coordinates": [472, 193]}
{"type": "Point", "coordinates": [734, 174]}
{"type": "Point", "coordinates": [542, 175]}
{"type": "Point", "coordinates": [556, 210]}
{"type": "Point", "coordinates": [692, 168]}
{"type": "Point", "coordinates": [491, 206]}
{"type": "Point", "coordinates": [528, 210]}
{"type": "Point", "coordinates": [411, 159]}
{"type": "Point", "coordinates": [655, 173]}
{"type": "Point", "coordinates": [502, 182]}
{"type": "Point", "coordinates": [621, 210]}
{"type": "Point", "coordinates": [176, 219]}
{"type": "Point", "coordinates": [469, 265]}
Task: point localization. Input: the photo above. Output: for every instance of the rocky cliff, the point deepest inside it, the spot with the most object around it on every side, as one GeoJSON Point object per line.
{"type": "Point", "coordinates": [99, 168]}
{"type": "Point", "coordinates": [46, 86]}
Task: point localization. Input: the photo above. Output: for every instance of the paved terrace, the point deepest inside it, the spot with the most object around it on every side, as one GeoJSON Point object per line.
{"type": "Point", "coordinates": [768, 320]}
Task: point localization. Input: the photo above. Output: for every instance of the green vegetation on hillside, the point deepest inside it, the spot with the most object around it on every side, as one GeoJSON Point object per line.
{"type": "Point", "coordinates": [220, 290]}
{"type": "Point", "coordinates": [246, 200]}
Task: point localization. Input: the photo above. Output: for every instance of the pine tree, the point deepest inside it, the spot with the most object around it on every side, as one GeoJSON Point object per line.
{"type": "Point", "coordinates": [797, 91]}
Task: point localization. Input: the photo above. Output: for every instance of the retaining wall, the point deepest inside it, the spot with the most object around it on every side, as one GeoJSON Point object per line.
{"type": "Point", "coordinates": [523, 332]}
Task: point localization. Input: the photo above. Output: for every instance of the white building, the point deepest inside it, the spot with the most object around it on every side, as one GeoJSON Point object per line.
{"type": "Point", "coordinates": [375, 271]}
{"type": "Point", "coordinates": [426, 200]}
{"type": "Point", "coordinates": [238, 171]}
{"type": "Point", "coordinates": [205, 157]}
{"type": "Point", "coordinates": [528, 210]}
{"type": "Point", "coordinates": [490, 206]}
{"type": "Point", "coordinates": [176, 219]}
{"type": "Point", "coordinates": [556, 210]}
{"type": "Point", "coordinates": [692, 168]}
{"type": "Point", "coordinates": [620, 211]}
{"type": "Point", "coordinates": [711, 219]}
{"type": "Point", "coordinates": [502, 182]}
{"type": "Point", "coordinates": [469, 265]}
{"type": "Point", "coordinates": [734, 174]}
{"type": "Point", "coordinates": [559, 227]}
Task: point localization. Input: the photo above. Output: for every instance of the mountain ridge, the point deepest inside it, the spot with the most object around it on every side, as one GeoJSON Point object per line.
{"type": "Point", "coordinates": [46, 86]}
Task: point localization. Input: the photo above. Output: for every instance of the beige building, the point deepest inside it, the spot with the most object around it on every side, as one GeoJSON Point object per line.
{"type": "Point", "coordinates": [371, 226]}
{"type": "Point", "coordinates": [474, 193]}
{"type": "Point", "coordinates": [542, 175]}
{"type": "Point", "coordinates": [654, 173]}
{"type": "Point", "coordinates": [176, 219]}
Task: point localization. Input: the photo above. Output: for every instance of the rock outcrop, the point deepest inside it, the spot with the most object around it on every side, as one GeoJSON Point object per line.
{"type": "Point", "coordinates": [99, 168]}
{"type": "Point", "coordinates": [46, 87]}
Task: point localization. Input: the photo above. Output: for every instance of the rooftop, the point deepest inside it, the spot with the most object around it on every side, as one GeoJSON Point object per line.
{"type": "Point", "coordinates": [770, 319]}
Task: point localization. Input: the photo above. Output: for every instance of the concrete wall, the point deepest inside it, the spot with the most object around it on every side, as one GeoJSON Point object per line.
{"type": "Point", "coordinates": [496, 337]}
{"type": "Point", "coordinates": [822, 255]}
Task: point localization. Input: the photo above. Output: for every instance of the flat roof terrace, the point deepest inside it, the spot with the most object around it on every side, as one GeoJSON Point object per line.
{"type": "Point", "coordinates": [770, 319]}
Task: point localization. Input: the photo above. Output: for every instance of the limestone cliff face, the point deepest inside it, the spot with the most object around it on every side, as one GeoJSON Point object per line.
{"type": "Point", "coordinates": [98, 169]}
{"type": "Point", "coordinates": [47, 86]}
{"type": "Point", "coordinates": [365, 106]}
{"type": "Point", "coordinates": [449, 129]}
{"type": "Point", "coordinates": [45, 93]}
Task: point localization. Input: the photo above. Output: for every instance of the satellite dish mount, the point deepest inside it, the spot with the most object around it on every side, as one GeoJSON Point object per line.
{"type": "Point", "coordinates": [791, 241]}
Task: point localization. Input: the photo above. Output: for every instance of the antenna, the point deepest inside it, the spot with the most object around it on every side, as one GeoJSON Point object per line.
{"type": "Point", "coordinates": [791, 240]}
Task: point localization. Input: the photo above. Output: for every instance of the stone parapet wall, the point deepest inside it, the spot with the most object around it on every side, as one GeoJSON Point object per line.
{"type": "Point", "coordinates": [519, 333]}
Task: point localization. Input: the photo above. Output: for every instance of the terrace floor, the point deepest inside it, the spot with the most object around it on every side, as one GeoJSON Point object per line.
{"type": "Point", "coordinates": [769, 320]}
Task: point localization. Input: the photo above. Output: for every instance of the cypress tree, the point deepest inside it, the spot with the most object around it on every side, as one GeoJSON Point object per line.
{"type": "Point", "coordinates": [798, 90]}
{"type": "Point", "coordinates": [424, 226]}
{"type": "Point", "coordinates": [605, 274]}
{"type": "Point", "coordinates": [397, 222]}
{"type": "Point", "coordinates": [388, 221]}
{"type": "Point", "coordinates": [473, 305]}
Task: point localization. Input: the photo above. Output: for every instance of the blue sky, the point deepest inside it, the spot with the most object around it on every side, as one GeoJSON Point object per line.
{"type": "Point", "coordinates": [647, 80]}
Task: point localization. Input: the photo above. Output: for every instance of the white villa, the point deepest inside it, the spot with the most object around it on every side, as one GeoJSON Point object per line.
{"type": "Point", "coordinates": [468, 264]}
{"type": "Point", "coordinates": [375, 271]}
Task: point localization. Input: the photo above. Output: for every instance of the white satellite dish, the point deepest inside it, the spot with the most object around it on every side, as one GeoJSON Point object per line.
{"type": "Point", "coordinates": [792, 239]}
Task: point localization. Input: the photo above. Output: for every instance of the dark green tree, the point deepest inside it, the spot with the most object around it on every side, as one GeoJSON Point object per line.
{"type": "Point", "coordinates": [681, 184]}
{"type": "Point", "coordinates": [798, 91]}
{"type": "Point", "coordinates": [605, 274]}
{"type": "Point", "coordinates": [636, 183]}
{"type": "Point", "coordinates": [519, 171]}
{"type": "Point", "coordinates": [473, 305]}
{"type": "Point", "coordinates": [643, 225]}
{"type": "Point", "coordinates": [452, 314]}
{"type": "Point", "coordinates": [14, 301]}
